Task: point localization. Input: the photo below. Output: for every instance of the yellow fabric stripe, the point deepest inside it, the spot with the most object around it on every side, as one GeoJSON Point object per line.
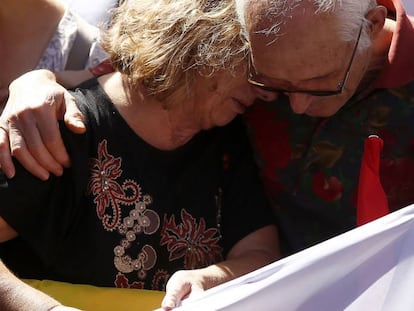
{"type": "Point", "coordinates": [92, 298]}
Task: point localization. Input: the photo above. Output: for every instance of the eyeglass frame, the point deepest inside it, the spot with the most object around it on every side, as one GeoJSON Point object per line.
{"type": "Point", "coordinates": [321, 93]}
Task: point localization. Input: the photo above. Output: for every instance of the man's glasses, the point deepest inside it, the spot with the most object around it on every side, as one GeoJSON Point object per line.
{"type": "Point", "coordinates": [253, 78]}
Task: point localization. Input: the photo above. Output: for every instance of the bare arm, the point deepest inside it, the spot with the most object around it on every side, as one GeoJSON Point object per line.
{"type": "Point", "coordinates": [6, 232]}
{"type": "Point", "coordinates": [15, 295]}
{"type": "Point", "coordinates": [71, 78]}
{"type": "Point", "coordinates": [35, 104]}
{"type": "Point", "coordinates": [252, 252]}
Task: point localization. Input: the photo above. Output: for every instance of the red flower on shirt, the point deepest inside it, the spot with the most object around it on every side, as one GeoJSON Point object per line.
{"type": "Point", "coordinates": [123, 282]}
{"type": "Point", "coordinates": [103, 184]}
{"type": "Point", "coordinates": [191, 241]}
{"type": "Point", "coordinates": [159, 281]}
{"type": "Point", "coordinates": [327, 188]}
{"type": "Point", "coordinates": [271, 139]}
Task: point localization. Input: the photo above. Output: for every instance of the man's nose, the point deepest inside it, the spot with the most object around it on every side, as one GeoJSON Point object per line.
{"type": "Point", "coordinates": [265, 95]}
{"type": "Point", "coordinates": [299, 102]}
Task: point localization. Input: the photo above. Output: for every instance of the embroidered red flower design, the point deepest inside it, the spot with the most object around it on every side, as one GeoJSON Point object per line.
{"type": "Point", "coordinates": [191, 241]}
{"type": "Point", "coordinates": [104, 172]}
{"type": "Point", "coordinates": [159, 281]}
{"type": "Point", "coordinates": [328, 188]}
{"type": "Point", "coordinates": [121, 281]}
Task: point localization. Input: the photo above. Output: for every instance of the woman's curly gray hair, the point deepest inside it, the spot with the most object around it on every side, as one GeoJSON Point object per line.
{"type": "Point", "coordinates": [164, 43]}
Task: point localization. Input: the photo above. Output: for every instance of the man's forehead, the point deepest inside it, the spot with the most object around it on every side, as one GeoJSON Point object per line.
{"type": "Point", "coordinates": [291, 49]}
{"type": "Point", "coordinates": [299, 26]}
{"type": "Point", "coordinates": [273, 18]}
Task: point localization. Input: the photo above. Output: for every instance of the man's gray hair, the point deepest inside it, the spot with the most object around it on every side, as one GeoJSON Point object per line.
{"type": "Point", "coordinates": [351, 15]}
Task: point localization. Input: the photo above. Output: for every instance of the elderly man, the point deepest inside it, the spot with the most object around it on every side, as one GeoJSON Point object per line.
{"type": "Point", "coordinates": [344, 70]}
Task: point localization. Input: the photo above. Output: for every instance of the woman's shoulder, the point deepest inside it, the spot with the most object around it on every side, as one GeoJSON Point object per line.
{"type": "Point", "coordinates": [92, 100]}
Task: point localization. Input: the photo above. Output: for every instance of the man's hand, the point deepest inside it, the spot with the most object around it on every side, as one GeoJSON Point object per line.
{"type": "Point", "coordinates": [28, 126]}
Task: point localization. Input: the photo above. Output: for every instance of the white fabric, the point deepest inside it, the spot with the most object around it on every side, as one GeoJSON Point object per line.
{"type": "Point", "coordinates": [95, 12]}
{"type": "Point", "coordinates": [56, 54]}
{"type": "Point", "coordinates": [368, 268]}
{"type": "Point", "coordinates": [409, 6]}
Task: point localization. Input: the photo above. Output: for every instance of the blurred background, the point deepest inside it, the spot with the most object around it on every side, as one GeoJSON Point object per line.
{"type": "Point", "coordinates": [409, 6]}
{"type": "Point", "coordinates": [96, 12]}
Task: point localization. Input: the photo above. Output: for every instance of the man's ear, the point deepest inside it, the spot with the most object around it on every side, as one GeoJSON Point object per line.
{"type": "Point", "coordinates": [376, 17]}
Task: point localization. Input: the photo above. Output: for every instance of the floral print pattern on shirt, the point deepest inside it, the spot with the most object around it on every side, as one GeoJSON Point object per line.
{"type": "Point", "coordinates": [310, 166]}
{"type": "Point", "coordinates": [125, 210]}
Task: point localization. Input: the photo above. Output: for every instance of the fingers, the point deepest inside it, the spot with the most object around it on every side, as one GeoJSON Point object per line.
{"type": "Point", "coordinates": [30, 130]}
{"type": "Point", "coordinates": [181, 285]}
{"type": "Point", "coordinates": [19, 149]}
{"type": "Point", "coordinates": [46, 143]}
{"type": "Point", "coordinates": [178, 287]}
{"type": "Point", "coordinates": [4, 94]}
{"type": "Point", "coordinates": [6, 162]}
{"type": "Point", "coordinates": [173, 297]}
{"type": "Point", "coordinates": [21, 153]}
{"type": "Point", "coordinates": [35, 104]}
{"type": "Point", "coordinates": [35, 140]}
{"type": "Point", "coordinates": [174, 294]}
{"type": "Point", "coordinates": [73, 117]}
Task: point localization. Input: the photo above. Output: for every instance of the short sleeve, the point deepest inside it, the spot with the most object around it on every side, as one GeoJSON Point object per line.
{"type": "Point", "coordinates": [42, 211]}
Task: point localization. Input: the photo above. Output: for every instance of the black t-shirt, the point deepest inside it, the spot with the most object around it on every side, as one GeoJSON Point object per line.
{"type": "Point", "coordinates": [127, 214]}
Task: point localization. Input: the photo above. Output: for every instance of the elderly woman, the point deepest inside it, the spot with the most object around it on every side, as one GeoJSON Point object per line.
{"type": "Point", "coordinates": [152, 189]}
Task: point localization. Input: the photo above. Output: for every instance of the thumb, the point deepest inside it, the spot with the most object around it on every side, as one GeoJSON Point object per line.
{"type": "Point", "coordinates": [174, 295]}
{"type": "Point", "coordinates": [73, 117]}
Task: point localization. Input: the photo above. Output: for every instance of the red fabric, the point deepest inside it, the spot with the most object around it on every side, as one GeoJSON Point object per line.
{"type": "Point", "coordinates": [372, 202]}
{"type": "Point", "coordinates": [102, 68]}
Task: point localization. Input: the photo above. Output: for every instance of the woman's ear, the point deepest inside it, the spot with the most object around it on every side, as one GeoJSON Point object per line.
{"type": "Point", "coordinates": [376, 18]}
